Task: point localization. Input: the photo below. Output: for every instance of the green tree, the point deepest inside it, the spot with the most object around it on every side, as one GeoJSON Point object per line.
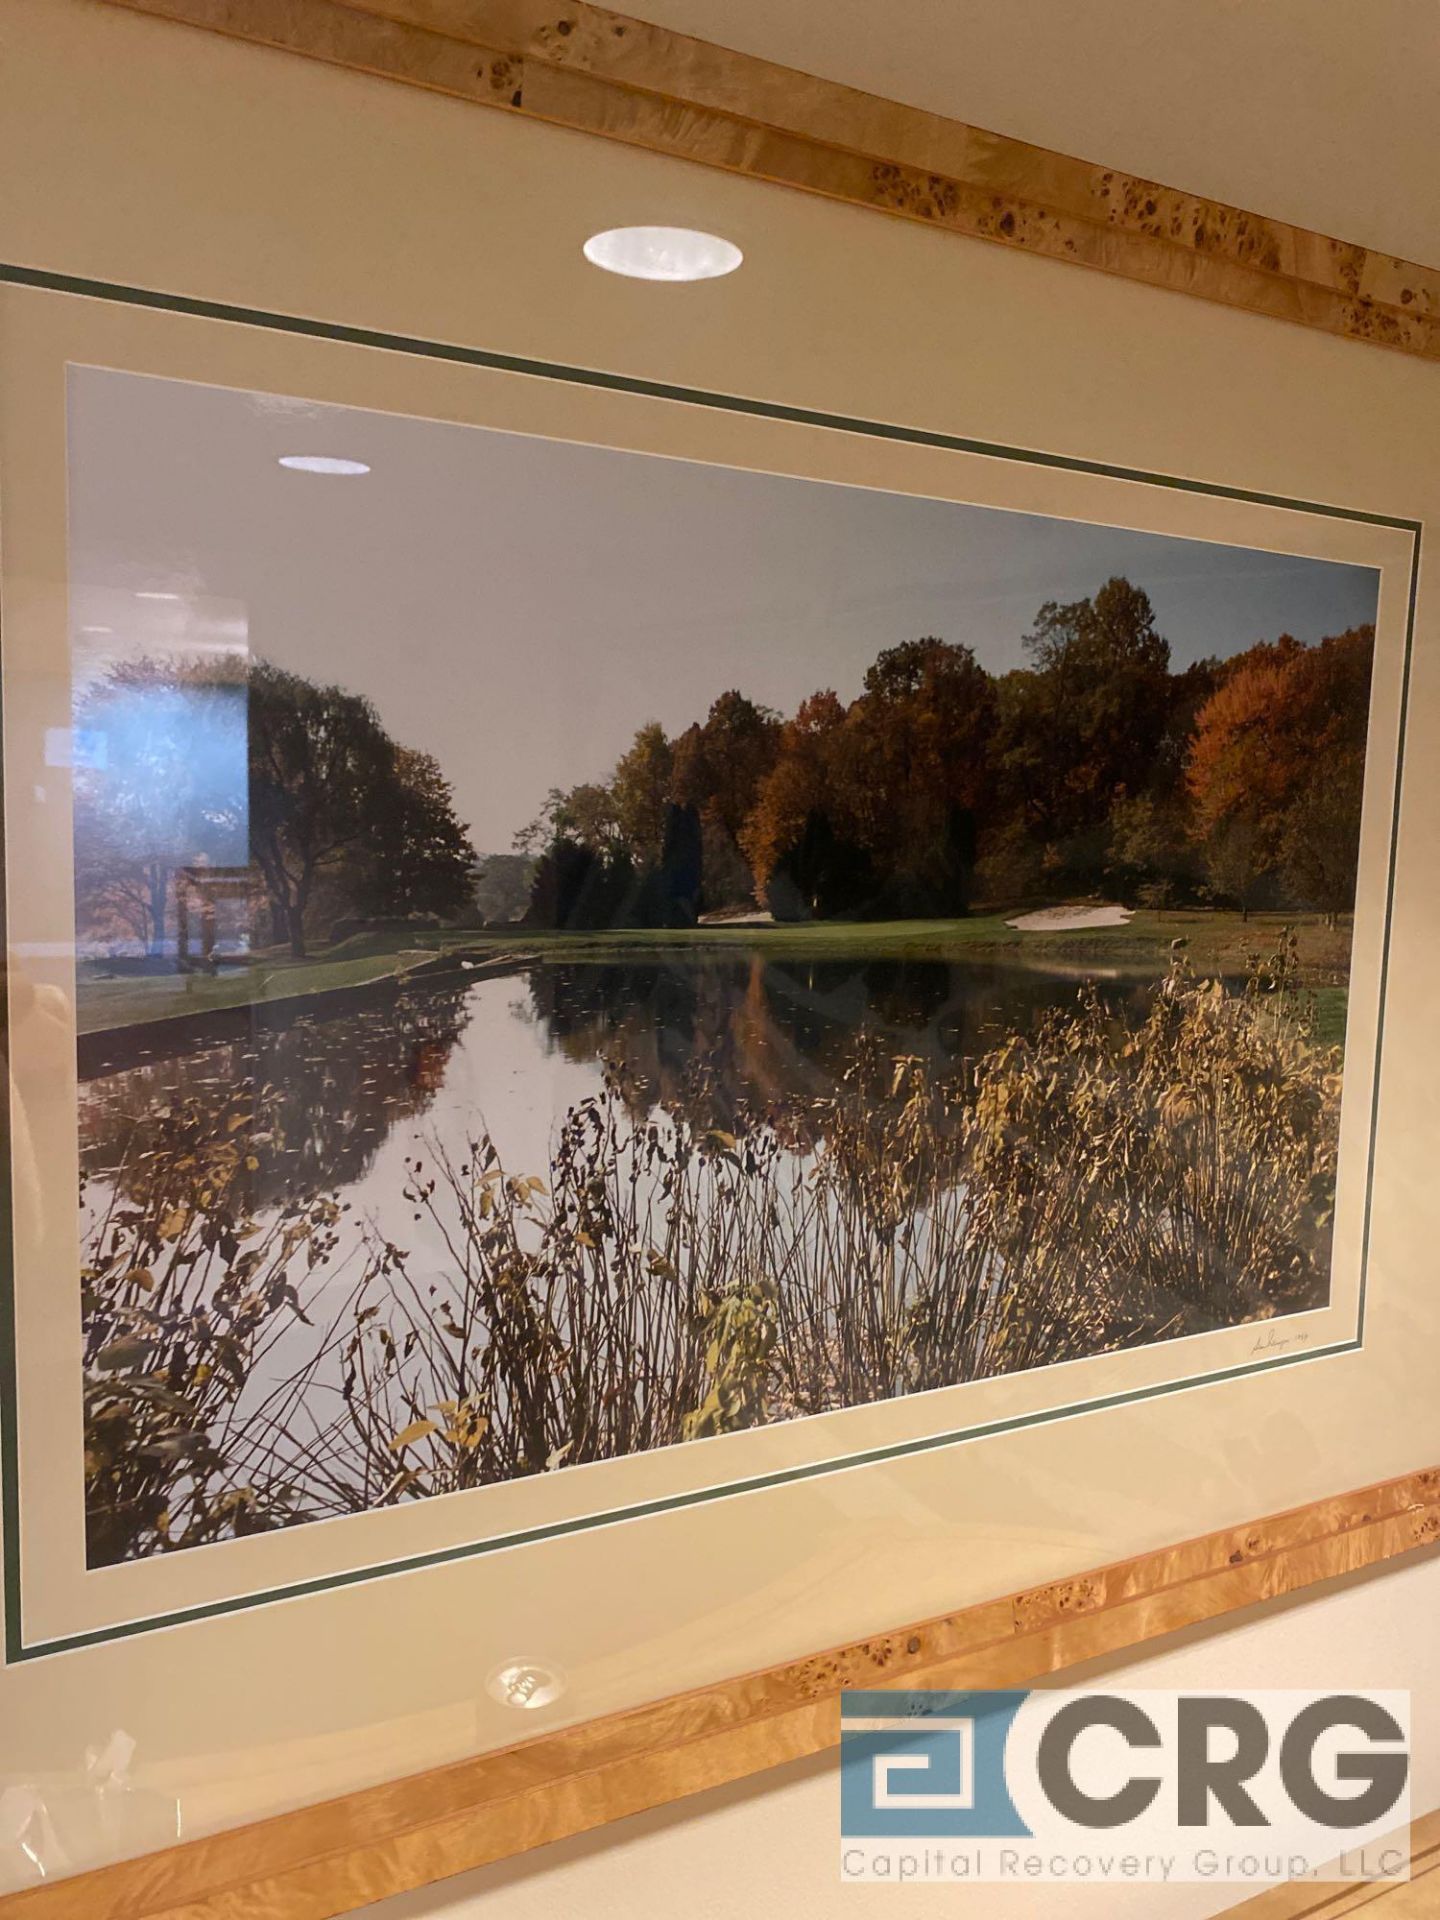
{"type": "Point", "coordinates": [1236, 860]}
{"type": "Point", "coordinates": [321, 770]}
{"type": "Point", "coordinates": [583, 814]}
{"type": "Point", "coordinates": [1150, 852]}
{"type": "Point", "coordinates": [334, 799]}
{"type": "Point", "coordinates": [419, 859]}
{"type": "Point", "coordinates": [913, 763]}
{"type": "Point", "coordinates": [1319, 846]}
{"type": "Point", "coordinates": [640, 789]}
{"type": "Point", "coordinates": [1089, 720]}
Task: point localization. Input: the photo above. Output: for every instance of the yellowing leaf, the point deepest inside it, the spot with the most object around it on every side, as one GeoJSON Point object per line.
{"type": "Point", "coordinates": [407, 1436]}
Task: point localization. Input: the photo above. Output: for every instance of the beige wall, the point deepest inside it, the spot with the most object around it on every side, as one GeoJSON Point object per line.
{"type": "Point", "coordinates": [137, 152]}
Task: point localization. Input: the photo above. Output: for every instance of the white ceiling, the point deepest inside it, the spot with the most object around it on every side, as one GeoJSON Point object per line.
{"type": "Point", "coordinates": [1320, 112]}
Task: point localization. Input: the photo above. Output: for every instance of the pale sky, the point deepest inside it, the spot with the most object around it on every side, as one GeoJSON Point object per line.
{"type": "Point", "coordinates": [518, 607]}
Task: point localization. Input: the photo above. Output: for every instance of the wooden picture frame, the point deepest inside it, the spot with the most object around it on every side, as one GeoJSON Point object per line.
{"type": "Point", "coordinates": [329, 1859]}
{"type": "Point", "coordinates": [380, 1839]}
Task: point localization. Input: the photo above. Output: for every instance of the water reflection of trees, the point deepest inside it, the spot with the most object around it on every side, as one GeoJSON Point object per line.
{"type": "Point", "coordinates": [333, 1091]}
{"type": "Point", "coordinates": [729, 1036]}
{"type": "Point", "coordinates": [726, 1038]}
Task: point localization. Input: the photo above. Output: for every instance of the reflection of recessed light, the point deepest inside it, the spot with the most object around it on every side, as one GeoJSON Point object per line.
{"type": "Point", "coordinates": [320, 463]}
{"type": "Point", "coordinates": [662, 253]}
{"type": "Point", "coordinates": [156, 596]}
{"type": "Point", "coordinates": [525, 1684]}
{"type": "Point", "coordinates": [97, 630]}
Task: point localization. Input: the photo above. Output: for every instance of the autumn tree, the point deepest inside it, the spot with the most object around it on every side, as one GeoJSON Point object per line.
{"type": "Point", "coordinates": [1239, 766]}
{"type": "Point", "coordinates": [1275, 770]}
{"type": "Point", "coordinates": [719, 766]}
{"type": "Point", "coordinates": [1092, 764]}
{"type": "Point", "coordinates": [799, 790]}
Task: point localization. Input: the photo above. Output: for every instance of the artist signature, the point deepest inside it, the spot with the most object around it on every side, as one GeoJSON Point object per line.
{"type": "Point", "coordinates": [1272, 1342]}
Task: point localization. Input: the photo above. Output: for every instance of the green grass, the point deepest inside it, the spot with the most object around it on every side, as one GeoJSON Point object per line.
{"type": "Point", "coordinates": [135, 1002]}
{"type": "Point", "coordinates": [1212, 939]}
{"type": "Point", "coordinates": [1215, 942]}
{"type": "Point", "coordinates": [1330, 1008]}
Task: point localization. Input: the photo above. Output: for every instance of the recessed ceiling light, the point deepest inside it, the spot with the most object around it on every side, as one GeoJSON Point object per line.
{"type": "Point", "coordinates": [97, 629]}
{"type": "Point", "coordinates": [320, 463]}
{"type": "Point", "coordinates": [142, 594]}
{"type": "Point", "coordinates": [662, 253]}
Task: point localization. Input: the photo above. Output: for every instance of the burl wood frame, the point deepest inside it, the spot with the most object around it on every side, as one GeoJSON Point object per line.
{"type": "Point", "coordinates": [342, 1854]}
{"type": "Point", "coordinates": [583, 67]}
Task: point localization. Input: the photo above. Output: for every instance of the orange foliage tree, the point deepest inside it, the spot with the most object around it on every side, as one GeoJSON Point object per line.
{"type": "Point", "coordinates": [800, 786]}
{"type": "Point", "coordinates": [1275, 770]}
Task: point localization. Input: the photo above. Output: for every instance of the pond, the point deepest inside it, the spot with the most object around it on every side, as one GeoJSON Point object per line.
{"type": "Point", "coordinates": [352, 1098]}
{"type": "Point", "coordinates": [738, 1031]}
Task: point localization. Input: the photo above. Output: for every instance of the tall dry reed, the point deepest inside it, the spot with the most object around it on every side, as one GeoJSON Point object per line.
{"type": "Point", "coordinates": [1085, 1187]}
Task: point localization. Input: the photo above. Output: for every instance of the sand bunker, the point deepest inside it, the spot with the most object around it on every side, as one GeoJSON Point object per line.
{"type": "Point", "coordinates": [1070, 919]}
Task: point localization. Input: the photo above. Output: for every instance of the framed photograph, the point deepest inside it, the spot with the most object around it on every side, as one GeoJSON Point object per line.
{"type": "Point", "coordinates": [624, 1002]}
